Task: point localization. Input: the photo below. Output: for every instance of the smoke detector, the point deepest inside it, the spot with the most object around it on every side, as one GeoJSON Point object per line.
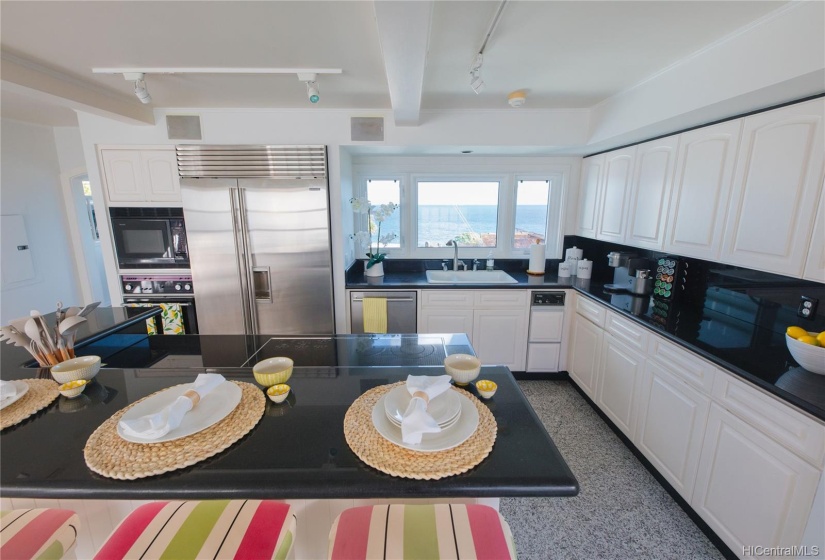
{"type": "Point", "coordinates": [517, 98]}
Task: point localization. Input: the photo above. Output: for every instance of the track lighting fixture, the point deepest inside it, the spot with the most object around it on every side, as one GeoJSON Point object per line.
{"type": "Point", "coordinates": [140, 86]}
{"type": "Point", "coordinates": [310, 79]}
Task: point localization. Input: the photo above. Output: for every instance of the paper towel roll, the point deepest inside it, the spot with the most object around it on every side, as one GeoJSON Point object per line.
{"type": "Point", "coordinates": [584, 269]}
{"type": "Point", "coordinates": [537, 258]}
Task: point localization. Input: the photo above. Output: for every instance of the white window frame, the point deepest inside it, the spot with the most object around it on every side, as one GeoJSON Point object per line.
{"type": "Point", "coordinates": [360, 220]}
{"type": "Point", "coordinates": [506, 170]}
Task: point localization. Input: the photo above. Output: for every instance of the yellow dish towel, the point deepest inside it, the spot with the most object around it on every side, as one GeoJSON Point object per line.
{"type": "Point", "coordinates": [375, 315]}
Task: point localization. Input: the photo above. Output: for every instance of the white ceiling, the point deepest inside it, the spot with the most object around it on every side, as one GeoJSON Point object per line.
{"type": "Point", "coordinates": [566, 54]}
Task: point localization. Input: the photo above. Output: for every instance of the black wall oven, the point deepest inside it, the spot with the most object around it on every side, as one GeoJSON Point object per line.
{"type": "Point", "coordinates": [149, 237]}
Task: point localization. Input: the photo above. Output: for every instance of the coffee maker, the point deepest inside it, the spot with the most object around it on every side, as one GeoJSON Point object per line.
{"type": "Point", "coordinates": [631, 273]}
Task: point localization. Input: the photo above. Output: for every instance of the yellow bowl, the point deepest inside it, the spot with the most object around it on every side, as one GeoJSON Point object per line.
{"type": "Point", "coordinates": [810, 357]}
{"type": "Point", "coordinates": [463, 368]}
{"type": "Point", "coordinates": [84, 367]}
{"type": "Point", "coordinates": [278, 393]}
{"type": "Point", "coordinates": [272, 371]}
{"type": "Point", "coordinates": [73, 389]}
{"type": "Point", "coordinates": [486, 388]}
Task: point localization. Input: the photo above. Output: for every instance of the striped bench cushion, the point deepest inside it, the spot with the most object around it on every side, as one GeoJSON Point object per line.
{"type": "Point", "coordinates": [220, 529]}
{"type": "Point", "coordinates": [421, 532]}
{"type": "Point", "coordinates": [43, 533]}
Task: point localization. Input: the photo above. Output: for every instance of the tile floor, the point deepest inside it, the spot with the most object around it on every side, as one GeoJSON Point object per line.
{"type": "Point", "coordinates": [622, 512]}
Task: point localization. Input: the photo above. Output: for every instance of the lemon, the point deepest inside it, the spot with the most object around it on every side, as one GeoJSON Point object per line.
{"type": "Point", "coordinates": [821, 338]}
{"type": "Point", "coordinates": [796, 332]}
{"type": "Point", "coordinates": [809, 340]}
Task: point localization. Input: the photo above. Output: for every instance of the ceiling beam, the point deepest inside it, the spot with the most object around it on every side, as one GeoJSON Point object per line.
{"type": "Point", "coordinates": [47, 85]}
{"type": "Point", "coordinates": [404, 33]}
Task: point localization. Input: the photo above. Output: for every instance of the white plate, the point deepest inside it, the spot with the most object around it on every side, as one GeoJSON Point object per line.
{"type": "Point", "coordinates": [445, 439]}
{"type": "Point", "coordinates": [442, 408]}
{"type": "Point", "coordinates": [443, 426]}
{"type": "Point", "coordinates": [22, 388]}
{"type": "Point", "coordinates": [212, 408]}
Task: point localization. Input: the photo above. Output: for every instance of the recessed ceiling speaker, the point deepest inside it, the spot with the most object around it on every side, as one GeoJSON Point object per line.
{"type": "Point", "coordinates": [367, 129]}
{"type": "Point", "coordinates": [517, 98]}
{"type": "Point", "coordinates": [183, 127]}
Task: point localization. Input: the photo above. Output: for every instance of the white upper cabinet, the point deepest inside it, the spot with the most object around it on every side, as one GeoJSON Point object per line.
{"type": "Point", "coordinates": [650, 192]}
{"type": "Point", "coordinates": [701, 189]}
{"type": "Point", "coordinates": [615, 195]}
{"type": "Point", "coordinates": [815, 263]}
{"type": "Point", "coordinates": [776, 188]}
{"type": "Point", "coordinates": [592, 169]}
{"type": "Point", "coordinates": [141, 175]}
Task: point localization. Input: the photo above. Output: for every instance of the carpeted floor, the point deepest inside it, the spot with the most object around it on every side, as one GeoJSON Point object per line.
{"type": "Point", "coordinates": [622, 512]}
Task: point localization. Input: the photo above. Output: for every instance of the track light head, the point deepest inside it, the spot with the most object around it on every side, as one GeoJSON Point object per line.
{"type": "Point", "coordinates": [313, 93]}
{"type": "Point", "coordinates": [140, 86]}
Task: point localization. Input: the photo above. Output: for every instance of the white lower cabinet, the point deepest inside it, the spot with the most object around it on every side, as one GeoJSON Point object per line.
{"type": "Point", "coordinates": [749, 489]}
{"type": "Point", "coordinates": [494, 320]}
{"type": "Point", "coordinates": [585, 352]}
{"type": "Point", "coordinates": [672, 420]}
{"type": "Point", "coordinates": [619, 374]}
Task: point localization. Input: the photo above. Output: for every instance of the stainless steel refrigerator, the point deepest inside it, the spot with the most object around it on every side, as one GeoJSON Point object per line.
{"type": "Point", "coordinates": [257, 223]}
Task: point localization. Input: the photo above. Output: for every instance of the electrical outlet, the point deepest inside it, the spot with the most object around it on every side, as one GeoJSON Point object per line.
{"type": "Point", "coordinates": [807, 307]}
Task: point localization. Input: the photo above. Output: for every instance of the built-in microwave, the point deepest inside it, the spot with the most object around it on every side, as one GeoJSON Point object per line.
{"type": "Point", "coordinates": [149, 237]}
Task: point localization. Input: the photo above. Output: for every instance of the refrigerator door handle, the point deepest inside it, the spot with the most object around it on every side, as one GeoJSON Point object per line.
{"type": "Point", "coordinates": [263, 283]}
{"type": "Point", "coordinates": [247, 263]}
{"type": "Point", "coordinates": [240, 247]}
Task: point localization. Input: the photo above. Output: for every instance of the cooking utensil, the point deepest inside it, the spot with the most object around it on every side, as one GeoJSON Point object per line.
{"type": "Point", "coordinates": [13, 336]}
{"type": "Point", "coordinates": [45, 338]}
{"type": "Point", "coordinates": [89, 308]}
{"type": "Point", "coordinates": [68, 331]}
{"type": "Point", "coordinates": [72, 311]}
{"type": "Point", "coordinates": [33, 332]}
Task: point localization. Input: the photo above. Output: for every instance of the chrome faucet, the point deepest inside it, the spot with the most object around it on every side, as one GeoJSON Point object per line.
{"type": "Point", "coordinates": [454, 244]}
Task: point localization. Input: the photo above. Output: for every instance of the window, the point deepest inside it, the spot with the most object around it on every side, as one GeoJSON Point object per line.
{"type": "Point", "coordinates": [466, 210]}
{"type": "Point", "coordinates": [532, 198]}
{"type": "Point", "coordinates": [383, 191]}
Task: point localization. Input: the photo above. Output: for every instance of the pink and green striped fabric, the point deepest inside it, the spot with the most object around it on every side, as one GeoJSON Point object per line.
{"type": "Point", "coordinates": [42, 534]}
{"type": "Point", "coordinates": [421, 532]}
{"type": "Point", "coordinates": [219, 529]}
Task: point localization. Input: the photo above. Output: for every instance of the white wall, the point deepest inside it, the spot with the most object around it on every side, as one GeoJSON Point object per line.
{"type": "Point", "coordinates": [30, 182]}
{"type": "Point", "coordinates": [69, 148]}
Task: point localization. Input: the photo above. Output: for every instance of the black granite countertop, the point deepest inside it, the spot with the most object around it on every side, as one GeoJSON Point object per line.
{"type": "Point", "coordinates": [297, 451]}
{"type": "Point", "coordinates": [731, 325]}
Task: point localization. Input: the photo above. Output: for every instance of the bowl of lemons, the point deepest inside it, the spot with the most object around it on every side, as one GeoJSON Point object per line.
{"type": "Point", "coordinates": [807, 348]}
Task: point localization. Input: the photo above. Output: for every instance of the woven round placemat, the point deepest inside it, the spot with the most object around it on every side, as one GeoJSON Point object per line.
{"type": "Point", "coordinates": [108, 454]}
{"type": "Point", "coordinates": [41, 393]}
{"type": "Point", "coordinates": [382, 454]}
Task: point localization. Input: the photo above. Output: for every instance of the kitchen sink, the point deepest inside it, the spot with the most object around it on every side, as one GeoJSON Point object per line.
{"type": "Point", "coordinates": [469, 277]}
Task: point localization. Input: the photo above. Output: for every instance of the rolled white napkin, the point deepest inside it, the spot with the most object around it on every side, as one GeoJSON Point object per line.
{"type": "Point", "coordinates": [157, 425]}
{"type": "Point", "coordinates": [7, 390]}
{"type": "Point", "coordinates": [416, 421]}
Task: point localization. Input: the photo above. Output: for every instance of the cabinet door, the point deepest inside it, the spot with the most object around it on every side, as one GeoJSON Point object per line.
{"type": "Point", "coordinates": [815, 262]}
{"type": "Point", "coordinates": [500, 337]}
{"type": "Point", "coordinates": [124, 180]}
{"type": "Point", "coordinates": [160, 174]}
{"type": "Point", "coordinates": [776, 189]}
{"type": "Point", "coordinates": [750, 489]}
{"type": "Point", "coordinates": [592, 169]}
{"type": "Point", "coordinates": [701, 189]}
{"type": "Point", "coordinates": [615, 195]}
{"type": "Point", "coordinates": [585, 353]}
{"type": "Point", "coordinates": [650, 192]}
{"type": "Point", "coordinates": [546, 324]}
{"type": "Point", "coordinates": [672, 420]}
{"type": "Point", "coordinates": [619, 374]}
{"type": "Point", "coordinates": [446, 321]}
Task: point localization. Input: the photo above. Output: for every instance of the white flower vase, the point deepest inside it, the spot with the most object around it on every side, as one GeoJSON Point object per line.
{"type": "Point", "coordinates": [375, 270]}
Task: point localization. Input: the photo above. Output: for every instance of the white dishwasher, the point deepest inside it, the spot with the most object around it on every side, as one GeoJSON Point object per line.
{"type": "Point", "coordinates": [545, 331]}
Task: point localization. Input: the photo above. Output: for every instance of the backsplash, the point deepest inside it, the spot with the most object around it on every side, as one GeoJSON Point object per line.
{"type": "Point", "coordinates": [765, 300]}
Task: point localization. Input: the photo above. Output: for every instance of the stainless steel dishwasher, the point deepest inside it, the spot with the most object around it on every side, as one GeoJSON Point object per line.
{"type": "Point", "coordinates": [401, 311]}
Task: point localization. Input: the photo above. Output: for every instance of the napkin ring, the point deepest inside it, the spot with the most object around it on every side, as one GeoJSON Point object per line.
{"type": "Point", "coordinates": [421, 395]}
{"type": "Point", "coordinates": [193, 396]}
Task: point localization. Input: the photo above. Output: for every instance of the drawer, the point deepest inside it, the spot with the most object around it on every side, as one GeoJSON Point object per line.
{"type": "Point", "coordinates": [546, 324]}
{"type": "Point", "coordinates": [448, 298]}
{"type": "Point", "coordinates": [627, 331]}
{"type": "Point", "coordinates": [797, 432]}
{"type": "Point", "coordinates": [501, 298]}
{"type": "Point", "coordinates": [682, 363]}
{"type": "Point", "coordinates": [594, 312]}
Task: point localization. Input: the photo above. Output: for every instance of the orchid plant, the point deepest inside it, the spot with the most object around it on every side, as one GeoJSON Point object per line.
{"type": "Point", "coordinates": [375, 217]}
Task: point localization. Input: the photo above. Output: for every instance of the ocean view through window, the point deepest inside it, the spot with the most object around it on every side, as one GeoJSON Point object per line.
{"type": "Point", "coordinates": [532, 206]}
{"type": "Point", "coordinates": [463, 210]}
